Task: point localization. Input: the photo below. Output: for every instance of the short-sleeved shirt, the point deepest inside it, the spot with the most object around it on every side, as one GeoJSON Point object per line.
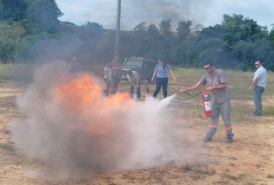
{"type": "Point", "coordinates": [161, 72]}
{"type": "Point", "coordinates": [261, 74]}
{"type": "Point", "coordinates": [135, 75]}
{"type": "Point", "coordinates": [217, 79]}
{"type": "Point", "coordinates": [108, 70]}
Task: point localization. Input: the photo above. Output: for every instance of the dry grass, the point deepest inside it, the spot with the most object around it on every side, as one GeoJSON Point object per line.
{"type": "Point", "coordinates": [7, 147]}
{"type": "Point", "coordinates": [227, 175]}
{"type": "Point", "coordinates": [250, 139]}
{"type": "Point", "coordinates": [198, 167]}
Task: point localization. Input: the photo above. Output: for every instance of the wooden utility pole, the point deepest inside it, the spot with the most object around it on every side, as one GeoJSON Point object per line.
{"type": "Point", "coordinates": [117, 39]}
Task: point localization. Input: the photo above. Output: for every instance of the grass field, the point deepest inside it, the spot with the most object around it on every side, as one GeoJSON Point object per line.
{"type": "Point", "coordinates": [5, 70]}
{"type": "Point", "coordinates": [241, 97]}
{"type": "Point", "coordinates": [238, 81]}
{"type": "Point", "coordinates": [248, 160]}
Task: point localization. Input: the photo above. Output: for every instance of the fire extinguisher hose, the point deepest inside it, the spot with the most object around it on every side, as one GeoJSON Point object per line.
{"type": "Point", "coordinates": [190, 94]}
{"type": "Point", "coordinates": [186, 93]}
{"type": "Point", "coordinates": [194, 95]}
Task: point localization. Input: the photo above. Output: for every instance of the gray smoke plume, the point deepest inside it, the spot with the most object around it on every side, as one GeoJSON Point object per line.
{"type": "Point", "coordinates": [134, 12]}
{"type": "Point", "coordinates": [153, 11]}
{"type": "Point", "coordinates": [75, 130]}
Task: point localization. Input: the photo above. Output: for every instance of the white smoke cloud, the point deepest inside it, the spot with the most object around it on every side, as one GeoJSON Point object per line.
{"type": "Point", "coordinates": [99, 134]}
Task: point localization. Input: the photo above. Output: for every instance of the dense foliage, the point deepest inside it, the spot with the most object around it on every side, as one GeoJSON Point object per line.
{"type": "Point", "coordinates": [237, 43]}
{"type": "Point", "coordinates": [30, 31]}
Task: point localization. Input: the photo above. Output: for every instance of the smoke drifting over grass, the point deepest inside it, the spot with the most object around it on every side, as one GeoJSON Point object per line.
{"type": "Point", "coordinates": [74, 129]}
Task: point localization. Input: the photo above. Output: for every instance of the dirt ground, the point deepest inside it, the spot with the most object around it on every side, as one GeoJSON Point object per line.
{"type": "Point", "coordinates": [248, 160]}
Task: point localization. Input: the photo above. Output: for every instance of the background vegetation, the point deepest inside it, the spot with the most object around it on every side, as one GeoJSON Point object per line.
{"type": "Point", "coordinates": [30, 31]}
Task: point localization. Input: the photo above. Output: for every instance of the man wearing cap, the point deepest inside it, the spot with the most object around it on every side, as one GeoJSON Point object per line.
{"type": "Point", "coordinates": [259, 81]}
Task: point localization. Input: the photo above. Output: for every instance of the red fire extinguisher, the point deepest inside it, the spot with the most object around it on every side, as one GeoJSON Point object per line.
{"type": "Point", "coordinates": [207, 106]}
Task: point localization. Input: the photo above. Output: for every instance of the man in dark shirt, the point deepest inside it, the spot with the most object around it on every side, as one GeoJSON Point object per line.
{"type": "Point", "coordinates": [116, 75]}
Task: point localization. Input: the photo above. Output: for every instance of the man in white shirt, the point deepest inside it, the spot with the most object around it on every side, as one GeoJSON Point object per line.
{"type": "Point", "coordinates": [134, 80]}
{"type": "Point", "coordinates": [259, 81]}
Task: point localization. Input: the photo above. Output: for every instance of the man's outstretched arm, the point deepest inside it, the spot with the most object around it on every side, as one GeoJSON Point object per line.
{"type": "Point", "coordinates": [195, 86]}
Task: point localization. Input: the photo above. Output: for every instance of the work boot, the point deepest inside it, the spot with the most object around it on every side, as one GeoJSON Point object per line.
{"type": "Point", "coordinates": [207, 139]}
{"type": "Point", "coordinates": [229, 139]}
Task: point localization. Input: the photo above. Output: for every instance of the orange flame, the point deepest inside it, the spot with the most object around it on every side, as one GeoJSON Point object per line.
{"type": "Point", "coordinates": [84, 97]}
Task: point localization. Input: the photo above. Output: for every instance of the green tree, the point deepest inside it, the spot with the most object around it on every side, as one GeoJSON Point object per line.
{"type": "Point", "coordinates": [42, 15]}
{"type": "Point", "coordinates": [165, 27]}
{"type": "Point", "coordinates": [89, 31]}
{"type": "Point", "coordinates": [265, 52]}
{"type": "Point", "coordinates": [217, 31]}
{"type": "Point", "coordinates": [245, 53]}
{"type": "Point", "coordinates": [153, 42]}
{"type": "Point", "coordinates": [152, 31]}
{"type": "Point", "coordinates": [10, 37]}
{"type": "Point", "coordinates": [234, 20]}
{"type": "Point", "coordinates": [251, 30]}
{"type": "Point", "coordinates": [141, 27]}
{"type": "Point", "coordinates": [271, 36]}
{"type": "Point", "coordinates": [16, 34]}
{"type": "Point", "coordinates": [6, 50]}
{"type": "Point", "coordinates": [14, 10]}
{"type": "Point", "coordinates": [198, 27]}
{"type": "Point", "coordinates": [167, 40]}
{"type": "Point", "coordinates": [193, 47]}
{"type": "Point", "coordinates": [178, 54]}
{"type": "Point", "coordinates": [184, 29]}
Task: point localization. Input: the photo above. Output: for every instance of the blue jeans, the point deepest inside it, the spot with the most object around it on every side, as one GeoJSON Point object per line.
{"type": "Point", "coordinates": [258, 91]}
{"type": "Point", "coordinates": [159, 83]}
{"type": "Point", "coordinates": [224, 109]}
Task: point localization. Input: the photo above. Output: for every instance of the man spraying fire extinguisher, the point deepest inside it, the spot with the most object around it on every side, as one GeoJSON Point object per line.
{"type": "Point", "coordinates": [217, 84]}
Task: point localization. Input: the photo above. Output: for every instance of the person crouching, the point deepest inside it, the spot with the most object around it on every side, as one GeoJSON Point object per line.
{"type": "Point", "coordinates": [135, 81]}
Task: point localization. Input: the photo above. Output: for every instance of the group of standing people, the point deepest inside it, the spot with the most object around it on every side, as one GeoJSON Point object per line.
{"type": "Point", "coordinates": [112, 75]}
{"type": "Point", "coordinates": [161, 74]}
{"type": "Point", "coordinates": [215, 78]}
